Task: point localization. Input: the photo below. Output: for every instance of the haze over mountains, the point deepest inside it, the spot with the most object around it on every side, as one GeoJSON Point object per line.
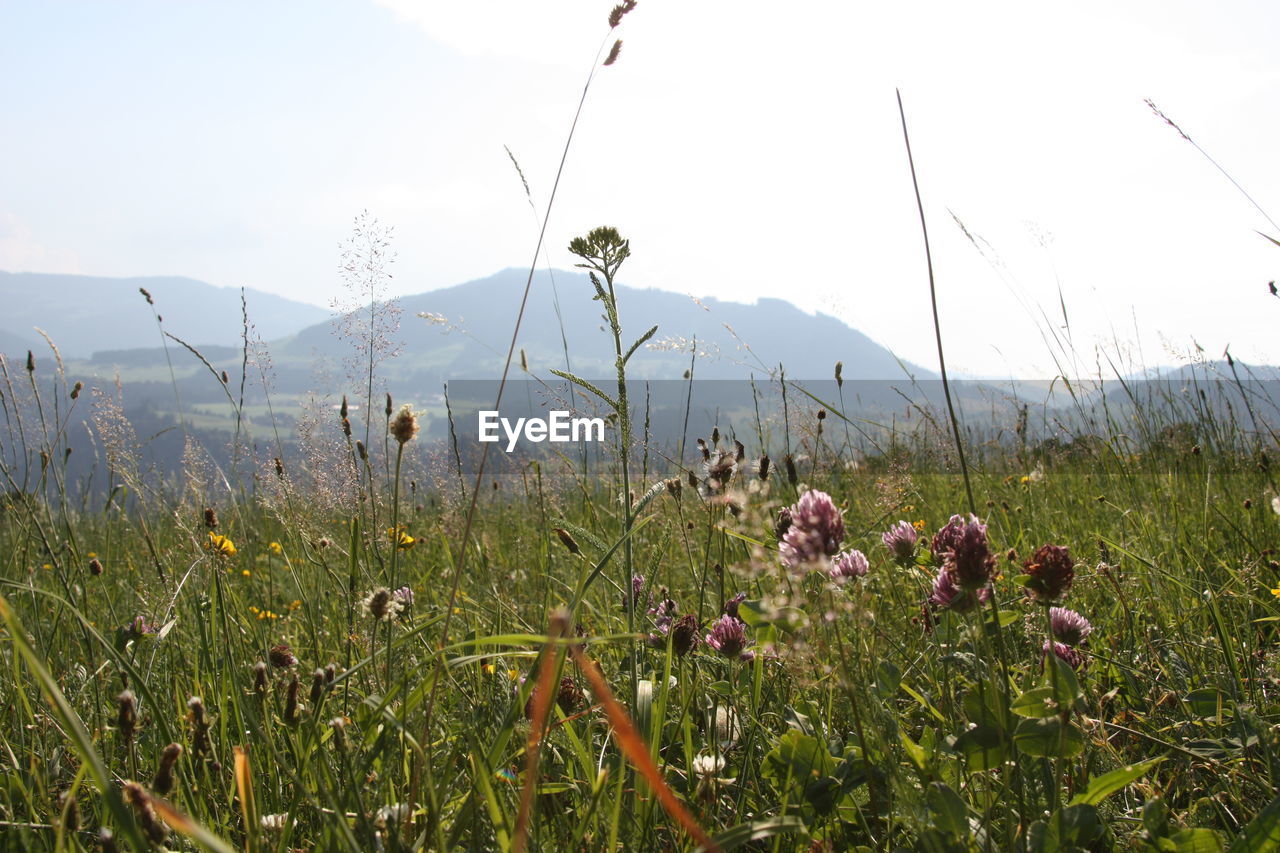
{"type": "Point", "coordinates": [87, 314]}
{"type": "Point", "coordinates": [465, 334]}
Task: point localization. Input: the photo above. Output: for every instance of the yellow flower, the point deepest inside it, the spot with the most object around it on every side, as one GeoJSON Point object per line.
{"type": "Point", "coordinates": [401, 537]}
{"type": "Point", "coordinates": [253, 609]}
{"type": "Point", "coordinates": [221, 545]}
{"type": "Point", "coordinates": [1276, 592]}
{"type": "Point", "coordinates": [488, 668]}
{"type": "Point", "coordinates": [1025, 480]}
{"type": "Point", "coordinates": [246, 573]}
{"type": "Point", "coordinates": [275, 548]}
{"type": "Point", "coordinates": [295, 604]}
{"type": "Point", "coordinates": [918, 525]}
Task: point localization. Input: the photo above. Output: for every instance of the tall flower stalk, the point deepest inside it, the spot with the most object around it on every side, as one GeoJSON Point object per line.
{"type": "Point", "coordinates": [603, 251]}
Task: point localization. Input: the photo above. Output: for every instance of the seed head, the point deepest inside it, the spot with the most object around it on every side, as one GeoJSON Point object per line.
{"type": "Point", "coordinates": [381, 605]}
{"type": "Point", "coordinates": [127, 714]}
{"type": "Point", "coordinates": [164, 779]}
{"type": "Point", "coordinates": [405, 425]}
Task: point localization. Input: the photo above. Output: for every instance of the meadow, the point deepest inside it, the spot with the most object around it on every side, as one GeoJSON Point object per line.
{"type": "Point", "coordinates": [1067, 642]}
{"type": "Point", "coordinates": [825, 633]}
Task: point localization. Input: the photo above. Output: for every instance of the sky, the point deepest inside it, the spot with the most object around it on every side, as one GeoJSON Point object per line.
{"type": "Point", "coordinates": [747, 150]}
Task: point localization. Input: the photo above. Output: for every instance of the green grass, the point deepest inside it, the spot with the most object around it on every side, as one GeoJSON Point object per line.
{"type": "Point", "coordinates": [858, 729]}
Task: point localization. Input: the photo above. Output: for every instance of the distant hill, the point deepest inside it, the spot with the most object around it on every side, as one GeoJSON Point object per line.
{"type": "Point", "coordinates": [85, 314]}
{"type": "Point", "coordinates": [471, 330]}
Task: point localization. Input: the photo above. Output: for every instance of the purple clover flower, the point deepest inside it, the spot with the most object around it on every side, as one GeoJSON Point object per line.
{"type": "Point", "coordinates": [1069, 626]}
{"type": "Point", "coordinates": [729, 637]}
{"type": "Point", "coordinates": [816, 531]}
{"type": "Point", "coordinates": [947, 594]}
{"type": "Point", "coordinates": [901, 540]}
{"type": "Point", "coordinates": [1072, 657]}
{"type": "Point", "coordinates": [850, 564]}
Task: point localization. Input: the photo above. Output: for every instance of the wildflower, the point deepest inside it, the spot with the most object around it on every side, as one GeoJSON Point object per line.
{"type": "Point", "coordinates": [274, 548]}
{"type": "Point", "coordinates": [1069, 626]}
{"type": "Point", "coordinates": [246, 573]}
{"type": "Point", "coordinates": [405, 425]}
{"type": "Point", "coordinates": [850, 564]}
{"type": "Point", "coordinates": [944, 540]}
{"type": "Point", "coordinates": [684, 635]}
{"type": "Point", "coordinates": [665, 613]}
{"type": "Point", "coordinates": [404, 597]}
{"type": "Point", "coordinates": [210, 518]}
{"type": "Point", "coordinates": [637, 586]}
{"type": "Point", "coordinates": [782, 524]}
{"type": "Point", "coordinates": [1072, 657]}
{"type": "Point", "coordinates": [947, 594]}
{"type": "Point", "coordinates": [281, 656]}
{"type": "Point", "coordinates": [274, 823]}
{"type": "Point", "coordinates": [729, 637]}
{"type": "Point", "coordinates": [95, 567]}
{"type": "Point", "coordinates": [968, 557]}
{"type": "Point", "coordinates": [816, 531]}
{"type": "Point", "coordinates": [731, 606]}
{"type": "Point", "coordinates": [381, 604]}
{"type": "Point", "coordinates": [163, 782]}
{"type": "Point", "coordinates": [403, 541]}
{"type": "Point", "coordinates": [221, 545]}
{"type": "Point", "coordinates": [707, 766]}
{"type": "Point", "coordinates": [137, 629]}
{"type": "Point", "coordinates": [901, 540]}
{"type": "Point", "coordinates": [1049, 573]}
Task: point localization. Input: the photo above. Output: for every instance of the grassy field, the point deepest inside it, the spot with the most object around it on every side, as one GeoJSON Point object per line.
{"type": "Point", "coordinates": [820, 652]}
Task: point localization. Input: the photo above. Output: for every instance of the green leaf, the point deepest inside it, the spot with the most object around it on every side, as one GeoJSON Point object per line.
{"type": "Point", "coordinates": [1073, 827]}
{"type": "Point", "coordinates": [744, 833]}
{"type": "Point", "coordinates": [1208, 702]}
{"type": "Point", "coordinates": [757, 614]}
{"type": "Point", "coordinates": [948, 810]}
{"type": "Point", "coordinates": [801, 764]}
{"type": "Point", "coordinates": [1196, 841]}
{"type": "Point", "coordinates": [888, 678]}
{"type": "Point", "coordinates": [1048, 738]}
{"type": "Point", "coordinates": [1037, 702]}
{"type": "Point", "coordinates": [1262, 835]}
{"type": "Point", "coordinates": [1101, 787]}
{"type": "Point", "coordinates": [983, 747]}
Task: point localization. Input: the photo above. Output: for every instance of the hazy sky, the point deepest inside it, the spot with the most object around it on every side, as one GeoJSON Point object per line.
{"type": "Point", "coordinates": [747, 149]}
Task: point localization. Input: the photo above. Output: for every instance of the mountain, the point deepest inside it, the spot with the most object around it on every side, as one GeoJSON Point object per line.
{"type": "Point", "coordinates": [85, 314]}
{"type": "Point", "coordinates": [468, 329]}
